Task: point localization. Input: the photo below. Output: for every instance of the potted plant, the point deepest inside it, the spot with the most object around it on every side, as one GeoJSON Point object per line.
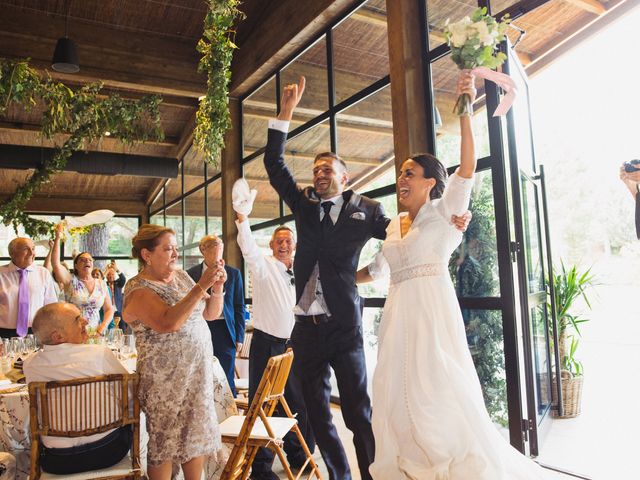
{"type": "Point", "coordinates": [569, 285]}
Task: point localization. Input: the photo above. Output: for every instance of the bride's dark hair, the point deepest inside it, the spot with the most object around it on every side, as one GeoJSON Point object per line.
{"type": "Point", "coordinates": [433, 168]}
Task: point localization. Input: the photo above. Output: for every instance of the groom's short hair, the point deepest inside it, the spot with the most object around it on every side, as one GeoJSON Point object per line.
{"type": "Point", "coordinates": [283, 228]}
{"type": "Point", "coordinates": [332, 155]}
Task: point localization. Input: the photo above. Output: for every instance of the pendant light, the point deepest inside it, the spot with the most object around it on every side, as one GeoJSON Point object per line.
{"type": "Point", "coordinates": [65, 56]}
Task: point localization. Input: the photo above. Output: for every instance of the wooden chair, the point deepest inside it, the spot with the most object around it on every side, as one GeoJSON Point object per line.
{"type": "Point", "coordinates": [242, 383]}
{"type": "Point", "coordinates": [81, 407]}
{"type": "Point", "coordinates": [259, 429]}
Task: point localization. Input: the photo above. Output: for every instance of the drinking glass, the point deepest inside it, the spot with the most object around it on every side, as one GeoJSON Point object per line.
{"type": "Point", "coordinates": [17, 345]}
{"type": "Point", "coordinates": [32, 342]}
{"type": "Point", "coordinates": [128, 345]}
{"type": "Point", "coordinates": [117, 338]}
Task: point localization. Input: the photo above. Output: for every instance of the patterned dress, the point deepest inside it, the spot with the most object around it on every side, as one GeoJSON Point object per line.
{"type": "Point", "coordinates": [176, 391]}
{"type": "Point", "coordinates": [89, 304]}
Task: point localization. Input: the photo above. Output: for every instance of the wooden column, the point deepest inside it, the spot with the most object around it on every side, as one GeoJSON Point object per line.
{"type": "Point", "coordinates": [231, 171]}
{"type": "Point", "coordinates": [409, 70]}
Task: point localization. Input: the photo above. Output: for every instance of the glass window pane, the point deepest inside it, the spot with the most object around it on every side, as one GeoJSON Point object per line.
{"type": "Point", "coordinates": [542, 358]}
{"type": "Point", "coordinates": [191, 255]}
{"type": "Point", "coordinates": [173, 189]}
{"type": "Point", "coordinates": [302, 150]}
{"type": "Point", "coordinates": [120, 231]}
{"type": "Point", "coordinates": [7, 233]}
{"type": "Point", "coordinates": [193, 169]}
{"type": "Point", "coordinates": [439, 12]}
{"type": "Point", "coordinates": [474, 265]}
{"type": "Point", "coordinates": [157, 219]}
{"type": "Point", "coordinates": [445, 75]}
{"type": "Point", "coordinates": [533, 247]}
{"type": "Point", "coordinates": [267, 203]}
{"type": "Point", "coordinates": [485, 339]}
{"type": "Point", "coordinates": [174, 221]}
{"type": "Point", "coordinates": [214, 194]}
{"type": "Point", "coordinates": [313, 65]}
{"type": "Point", "coordinates": [158, 201]}
{"type": "Point", "coordinates": [256, 110]}
{"type": "Point", "coordinates": [360, 49]}
{"type": "Point", "coordinates": [365, 139]}
{"type": "Point", "coordinates": [194, 219]}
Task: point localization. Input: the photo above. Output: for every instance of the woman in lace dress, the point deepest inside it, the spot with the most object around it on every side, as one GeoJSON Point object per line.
{"type": "Point", "coordinates": [167, 312]}
{"type": "Point", "coordinates": [429, 417]}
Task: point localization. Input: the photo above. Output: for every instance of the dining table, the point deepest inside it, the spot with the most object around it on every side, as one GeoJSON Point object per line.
{"type": "Point", "coordinates": [15, 434]}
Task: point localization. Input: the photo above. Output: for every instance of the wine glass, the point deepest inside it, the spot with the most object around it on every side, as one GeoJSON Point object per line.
{"type": "Point", "coordinates": [116, 322]}
{"type": "Point", "coordinates": [128, 345]}
{"type": "Point", "coordinates": [17, 346]}
{"type": "Point", "coordinates": [117, 339]}
{"type": "Point", "coordinates": [33, 342]}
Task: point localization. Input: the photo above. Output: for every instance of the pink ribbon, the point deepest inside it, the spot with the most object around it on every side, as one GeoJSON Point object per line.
{"type": "Point", "coordinates": [505, 82]}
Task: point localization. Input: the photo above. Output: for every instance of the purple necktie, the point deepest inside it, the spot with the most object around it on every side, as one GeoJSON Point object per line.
{"type": "Point", "coordinates": [23, 304]}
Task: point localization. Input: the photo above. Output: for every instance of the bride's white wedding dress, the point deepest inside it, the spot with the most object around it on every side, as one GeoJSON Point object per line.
{"type": "Point", "coordinates": [429, 417]}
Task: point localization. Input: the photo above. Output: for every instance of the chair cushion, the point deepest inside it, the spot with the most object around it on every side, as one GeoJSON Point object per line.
{"type": "Point", "coordinates": [280, 426]}
{"type": "Point", "coordinates": [241, 383]}
{"type": "Point", "coordinates": [123, 467]}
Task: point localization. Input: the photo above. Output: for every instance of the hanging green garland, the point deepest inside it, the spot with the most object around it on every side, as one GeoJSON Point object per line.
{"type": "Point", "coordinates": [216, 47]}
{"type": "Point", "coordinates": [84, 115]}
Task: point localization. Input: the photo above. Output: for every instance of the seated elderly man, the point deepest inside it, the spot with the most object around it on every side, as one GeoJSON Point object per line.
{"type": "Point", "coordinates": [61, 329]}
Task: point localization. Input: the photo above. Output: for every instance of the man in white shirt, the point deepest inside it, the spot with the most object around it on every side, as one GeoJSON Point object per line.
{"type": "Point", "coordinates": [61, 329]}
{"type": "Point", "coordinates": [273, 301]}
{"type": "Point", "coordinates": [24, 288]}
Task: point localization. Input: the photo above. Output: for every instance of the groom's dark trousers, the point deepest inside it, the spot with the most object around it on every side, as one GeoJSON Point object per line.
{"type": "Point", "coordinates": [322, 341]}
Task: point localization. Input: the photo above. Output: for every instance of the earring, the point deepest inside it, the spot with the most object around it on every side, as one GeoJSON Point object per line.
{"type": "Point", "coordinates": [148, 263]}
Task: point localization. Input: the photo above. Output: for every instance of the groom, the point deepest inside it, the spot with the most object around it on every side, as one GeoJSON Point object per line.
{"type": "Point", "coordinates": [332, 226]}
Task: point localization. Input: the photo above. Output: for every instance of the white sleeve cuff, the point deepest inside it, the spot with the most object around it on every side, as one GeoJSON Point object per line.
{"type": "Point", "coordinates": [280, 125]}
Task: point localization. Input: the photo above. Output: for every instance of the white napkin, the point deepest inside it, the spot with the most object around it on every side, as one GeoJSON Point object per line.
{"type": "Point", "coordinates": [242, 197]}
{"type": "Point", "coordinates": [91, 218]}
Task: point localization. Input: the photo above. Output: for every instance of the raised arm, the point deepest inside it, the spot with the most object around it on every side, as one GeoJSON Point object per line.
{"type": "Point", "coordinates": [61, 274]}
{"type": "Point", "coordinates": [466, 84]}
{"type": "Point", "coordinates": [280, 177]}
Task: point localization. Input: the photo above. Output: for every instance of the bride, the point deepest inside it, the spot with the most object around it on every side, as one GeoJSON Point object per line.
{"type": "Point", "coordinates": [429, 417]}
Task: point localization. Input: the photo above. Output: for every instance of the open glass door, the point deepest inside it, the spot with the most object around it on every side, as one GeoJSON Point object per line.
{"type": "Point", "coordinates": [530, 250]}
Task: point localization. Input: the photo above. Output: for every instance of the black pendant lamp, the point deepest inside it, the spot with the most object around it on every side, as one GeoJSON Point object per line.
{"type": "Point", "coordinates": [65, 56]}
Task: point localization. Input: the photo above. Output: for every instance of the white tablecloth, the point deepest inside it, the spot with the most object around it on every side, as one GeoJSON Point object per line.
{"type": "Point", "coordinates": [15, 437]}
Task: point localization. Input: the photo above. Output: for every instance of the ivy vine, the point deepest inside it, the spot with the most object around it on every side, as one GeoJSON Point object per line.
{"type": "Point", "coordinates": [82, 116]}
{"type": "Point", "coordinates": [216, 46]}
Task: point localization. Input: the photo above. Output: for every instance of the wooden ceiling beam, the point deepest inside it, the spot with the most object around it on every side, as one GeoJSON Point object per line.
{"type": "Point", "coordinates": [592, 6]}
{"type": "Point", "coordinates": [288, 25]}
{"type": "Point", "coordinates": [362, 124]}
{"type": "Point", "coordinates": [80, 206]}
{"type": "Point", "coordinates": [248, 150]}
{"type": "Point", "coordinates": [135, 61]}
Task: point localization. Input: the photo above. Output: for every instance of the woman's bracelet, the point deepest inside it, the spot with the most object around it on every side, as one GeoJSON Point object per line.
{"type": "Point", "coordinates": [214, 294]}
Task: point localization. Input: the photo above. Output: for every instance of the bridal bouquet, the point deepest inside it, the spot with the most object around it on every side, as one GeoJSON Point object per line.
{"type": "Point", "coordinates": [474, 41]}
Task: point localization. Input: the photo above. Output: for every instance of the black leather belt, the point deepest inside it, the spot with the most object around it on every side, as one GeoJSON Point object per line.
{"type": "Point", "coordinates": [269, 337]}
{"type": "Point", "coordinates": [315, 319]}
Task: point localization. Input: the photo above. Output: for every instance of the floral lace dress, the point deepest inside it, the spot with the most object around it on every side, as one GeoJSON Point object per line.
{"type": "Point", "coordinates": [176, 389]}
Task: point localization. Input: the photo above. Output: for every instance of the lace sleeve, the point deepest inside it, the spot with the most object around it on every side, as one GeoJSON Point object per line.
{"type": "Point", "coordinates": [455, 199]}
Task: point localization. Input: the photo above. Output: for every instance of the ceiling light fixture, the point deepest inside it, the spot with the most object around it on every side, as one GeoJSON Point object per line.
{"type": "Point", "coordinates": [65, 56]}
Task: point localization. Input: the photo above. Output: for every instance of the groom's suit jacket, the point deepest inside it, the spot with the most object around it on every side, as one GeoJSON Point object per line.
{"type": "Point", "coordinates": [336, 253]}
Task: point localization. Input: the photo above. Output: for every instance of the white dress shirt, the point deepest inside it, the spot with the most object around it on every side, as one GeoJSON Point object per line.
{"type": "Point", "coordinates": [316, 308]}
{"type": "Point", "coordinates": [67, 361]}
{"type": "Point", "coordinates": [41, 292]}
{"type": "Point", "coordinates": [274, 294]}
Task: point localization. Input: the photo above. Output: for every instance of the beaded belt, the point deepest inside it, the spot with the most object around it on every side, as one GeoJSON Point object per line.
{"type": "Point", "coordinates": [424, 270]}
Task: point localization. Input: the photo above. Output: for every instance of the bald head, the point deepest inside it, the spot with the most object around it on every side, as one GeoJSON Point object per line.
{"type": "Point", "coordinates": [59, 323]}
{"type": "Point", "coordinates": [211, 248]}
{"type": "Point", "coordinates": [22, 252]}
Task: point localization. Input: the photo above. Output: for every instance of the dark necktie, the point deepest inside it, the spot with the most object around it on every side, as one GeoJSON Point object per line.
{"type": "Point", "coordinates": [327, 224]}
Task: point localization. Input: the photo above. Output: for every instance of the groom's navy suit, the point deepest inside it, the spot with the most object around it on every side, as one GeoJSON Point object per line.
{"type": "Point", "coordinates": [335, 340]}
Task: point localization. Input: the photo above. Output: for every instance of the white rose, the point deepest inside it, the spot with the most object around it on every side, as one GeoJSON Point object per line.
{"type": "Point", "coordinates": [460, 32]}
{"type": "Point", "coordinates": [485, 36]}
